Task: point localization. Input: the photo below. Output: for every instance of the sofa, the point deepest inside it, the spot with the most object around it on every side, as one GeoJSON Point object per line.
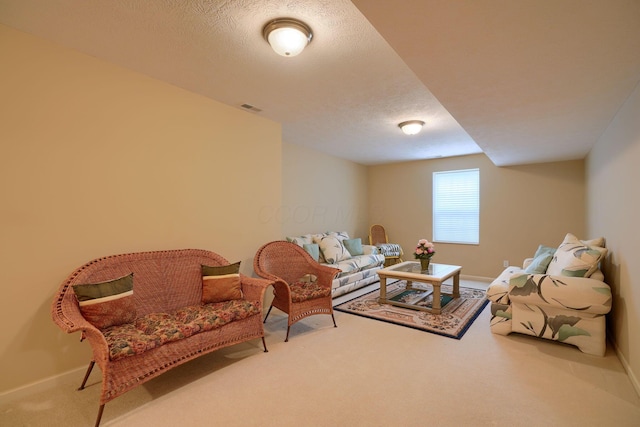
{"type": "Point", "coordinates": [559, 294]}
{"type": "Point", "coordinates": [357, 262]}
{"type": "Point", "coordinates": [145, 313]}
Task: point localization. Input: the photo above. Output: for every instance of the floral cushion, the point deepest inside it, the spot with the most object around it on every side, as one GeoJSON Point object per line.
{"type": "Point", "coordinates": [126, 340]}
{"type": "Point", "coordinates": [303, 291]}
{"type": "Point", "coordinates": [575, 258]}
{"type": "Point", "coordinates": [332, 249]}
{"type": "Point", "coordinates": [212, 316]}
{"type": "Point", "coordinates": [156, 329]}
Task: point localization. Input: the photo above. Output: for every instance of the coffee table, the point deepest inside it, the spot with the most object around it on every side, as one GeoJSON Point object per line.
{"type": "Point", "coordinates": [411, 272]}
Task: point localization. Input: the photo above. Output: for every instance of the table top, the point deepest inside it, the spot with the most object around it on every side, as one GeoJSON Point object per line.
{"type": "Point", "coordinates": [412, 270]}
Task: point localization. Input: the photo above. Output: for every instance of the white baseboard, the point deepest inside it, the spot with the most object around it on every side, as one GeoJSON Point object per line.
{"type": "Point", "coordinates": [43, 385]}
{"type": "Point", "coordinates": [477, 278]}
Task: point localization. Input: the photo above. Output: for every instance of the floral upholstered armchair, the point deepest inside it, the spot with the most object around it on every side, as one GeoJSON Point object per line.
{"type": "Point", "coordinates": [560, 295]}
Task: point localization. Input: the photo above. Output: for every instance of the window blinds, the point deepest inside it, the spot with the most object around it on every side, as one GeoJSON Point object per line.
{"type": "Point", "coordinates": [456, 206]}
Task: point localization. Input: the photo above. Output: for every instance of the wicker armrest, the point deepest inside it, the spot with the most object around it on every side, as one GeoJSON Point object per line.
{"type": "Point", "coordinates": [254, 288]}
{"type": "Point", "coordinates": [326, 275]}
{"type": "Point", "coordinates": [65, 312]}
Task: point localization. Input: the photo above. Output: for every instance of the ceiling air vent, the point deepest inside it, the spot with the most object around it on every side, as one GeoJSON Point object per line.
{"type": "Point", "coordinates": [251, 108]}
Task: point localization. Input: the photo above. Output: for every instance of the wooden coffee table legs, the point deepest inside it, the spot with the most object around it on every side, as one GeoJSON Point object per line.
{"type": "Point", "coordinates": [436, 307]}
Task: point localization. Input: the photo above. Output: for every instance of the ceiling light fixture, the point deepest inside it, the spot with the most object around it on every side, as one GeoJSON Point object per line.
{"type": "Point", "coordinates": [287, 36]}
{"type": "Point", "coordinates": [411, 127]}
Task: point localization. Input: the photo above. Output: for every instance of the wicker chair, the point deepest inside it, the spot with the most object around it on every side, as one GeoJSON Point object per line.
{"type": "Point", "coordinates": [392, 251]}
{"type": "Point", "coordinates": [288, 265]}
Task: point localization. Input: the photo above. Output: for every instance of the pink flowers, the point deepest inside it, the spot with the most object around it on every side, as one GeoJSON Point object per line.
{"type": "Point", "coordinates": [425, 249]}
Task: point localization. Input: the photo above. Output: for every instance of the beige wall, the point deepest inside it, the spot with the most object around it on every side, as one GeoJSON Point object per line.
{"type": "Point", "coordinates": [520, 208]}
{"type": "Point", "coordinates": [613, 205]}
{"type": "Point", "coordinates": [321, 193]}
{"type": "Point", "coordinates": [97, 160]}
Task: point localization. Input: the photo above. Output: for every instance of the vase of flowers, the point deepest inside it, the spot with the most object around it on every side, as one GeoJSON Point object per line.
{"type": "Point", "coordinates": [424, 251]}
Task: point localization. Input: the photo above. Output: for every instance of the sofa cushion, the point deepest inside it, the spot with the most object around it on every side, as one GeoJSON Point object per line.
{"type": "Point", "coordinates": [359, 263]}
{"type": "Point", "coordinates": [574, 258]}
{"type": "Point", "coordinates": [107, 303]}
{"type": "Point", "coordinates": [354, 246]}
{"type": "Point", "coordinates": [332, 249]}
{"type": "Point", "coordinates": [340, 235]}
{"type": "Point", "coordinates": [300, 240]}
{"type": "Point", "coordinates": [221, 283]}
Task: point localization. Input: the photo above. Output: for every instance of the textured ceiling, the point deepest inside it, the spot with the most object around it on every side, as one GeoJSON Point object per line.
{"type": "Point", "coordinates": [530, 81]}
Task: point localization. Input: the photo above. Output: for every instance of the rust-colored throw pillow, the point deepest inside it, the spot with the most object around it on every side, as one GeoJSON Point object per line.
{"type": "Point", "coordinates": [107, 303]}
{"type": "Point", "coordinates": [221, 283]}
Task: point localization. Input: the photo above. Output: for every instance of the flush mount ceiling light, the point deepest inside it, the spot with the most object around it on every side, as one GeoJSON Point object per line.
{"type": "Point", "coordinates": [287, 36]}
{"type": "Point", "coordinates": [411, 127]}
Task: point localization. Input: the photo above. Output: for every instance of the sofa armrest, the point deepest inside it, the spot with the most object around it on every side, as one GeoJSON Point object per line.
{"type": "Point", "coordinates": [498, 290]}
{"type": "Point", "coordinates": [575, 293]}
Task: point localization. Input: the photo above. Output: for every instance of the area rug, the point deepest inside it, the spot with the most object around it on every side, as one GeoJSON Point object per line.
{"type": "Point", "coordinates": [455, 319]}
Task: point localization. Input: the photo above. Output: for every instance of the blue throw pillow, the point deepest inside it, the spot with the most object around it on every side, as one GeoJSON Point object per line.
{"type": "Point", "coordinates": [539, 264]}
{"type": "Point", "coordinates": [541, 260]}
{"type": "Point", "coordinates": [312, 249]}
{"type": "Point", "coordinates": [354, 246]}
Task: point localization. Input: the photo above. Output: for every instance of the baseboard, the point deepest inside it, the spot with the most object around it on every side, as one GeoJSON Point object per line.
{"type": "Point", "coordinates": [625, 364]}
{"type": "Point", "coordinates": [42, 385]}
{"type": "Point", "coordinates": [477, 278]}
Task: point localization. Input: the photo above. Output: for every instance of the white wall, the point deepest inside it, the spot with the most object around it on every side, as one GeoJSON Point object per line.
{"type": "Point", "coordinates": [613, 203]}
{"type": "Point", "coordinates": [521, 207]}
{"type": "Point", "coordinates": [321, 193]}
{"type": "Point", "coordinates": [97, 160]}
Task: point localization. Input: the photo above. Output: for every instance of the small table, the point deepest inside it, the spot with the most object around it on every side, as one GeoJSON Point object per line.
{"type": "Point", "coordinates": [411, 272]}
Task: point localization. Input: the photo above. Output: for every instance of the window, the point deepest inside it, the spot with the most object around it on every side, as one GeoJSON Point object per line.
{"type": "Point", "coordinates": [456, 206]}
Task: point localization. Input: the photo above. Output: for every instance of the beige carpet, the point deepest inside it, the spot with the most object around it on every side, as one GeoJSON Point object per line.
{"type": "Point", "coordinates": [363, 373]}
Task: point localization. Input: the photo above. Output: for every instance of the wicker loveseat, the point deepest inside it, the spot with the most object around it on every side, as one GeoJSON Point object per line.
{"type": "Point", "coordinates": [168, 323]}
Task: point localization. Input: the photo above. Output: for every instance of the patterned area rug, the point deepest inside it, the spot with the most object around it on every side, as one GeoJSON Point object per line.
{"type": "Point", "coordinates": [456, 317]}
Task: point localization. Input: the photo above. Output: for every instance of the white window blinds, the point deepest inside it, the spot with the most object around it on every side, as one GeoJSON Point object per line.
{"type": "Point", "coordinates": [456, 206]}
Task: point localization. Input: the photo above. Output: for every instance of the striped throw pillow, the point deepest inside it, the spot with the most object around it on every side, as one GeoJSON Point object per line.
{"type": "Point", "coordinates": [107, 303]}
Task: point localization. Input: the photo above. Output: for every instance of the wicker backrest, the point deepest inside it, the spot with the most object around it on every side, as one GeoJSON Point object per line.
{"type": "Point", "coordinates": [283, 260]}
{"type": "Point", "coordinates": [163, 281]}
{"type": "Point", "coordinates": [377, 234]}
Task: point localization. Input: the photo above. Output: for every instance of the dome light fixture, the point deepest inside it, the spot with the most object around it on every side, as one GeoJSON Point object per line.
{"type": "Point", "coordinates": [287, 36]}
{"type": "Point", "coordinates": [411, 127]}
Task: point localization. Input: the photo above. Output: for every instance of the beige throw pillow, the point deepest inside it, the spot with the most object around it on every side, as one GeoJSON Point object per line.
{"type": "Point", "coordinates": [332, 249]}
{"type": "Point", "coordinates": [221, 283]}
{"type": "Point", "coordinates": [575, 258]}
